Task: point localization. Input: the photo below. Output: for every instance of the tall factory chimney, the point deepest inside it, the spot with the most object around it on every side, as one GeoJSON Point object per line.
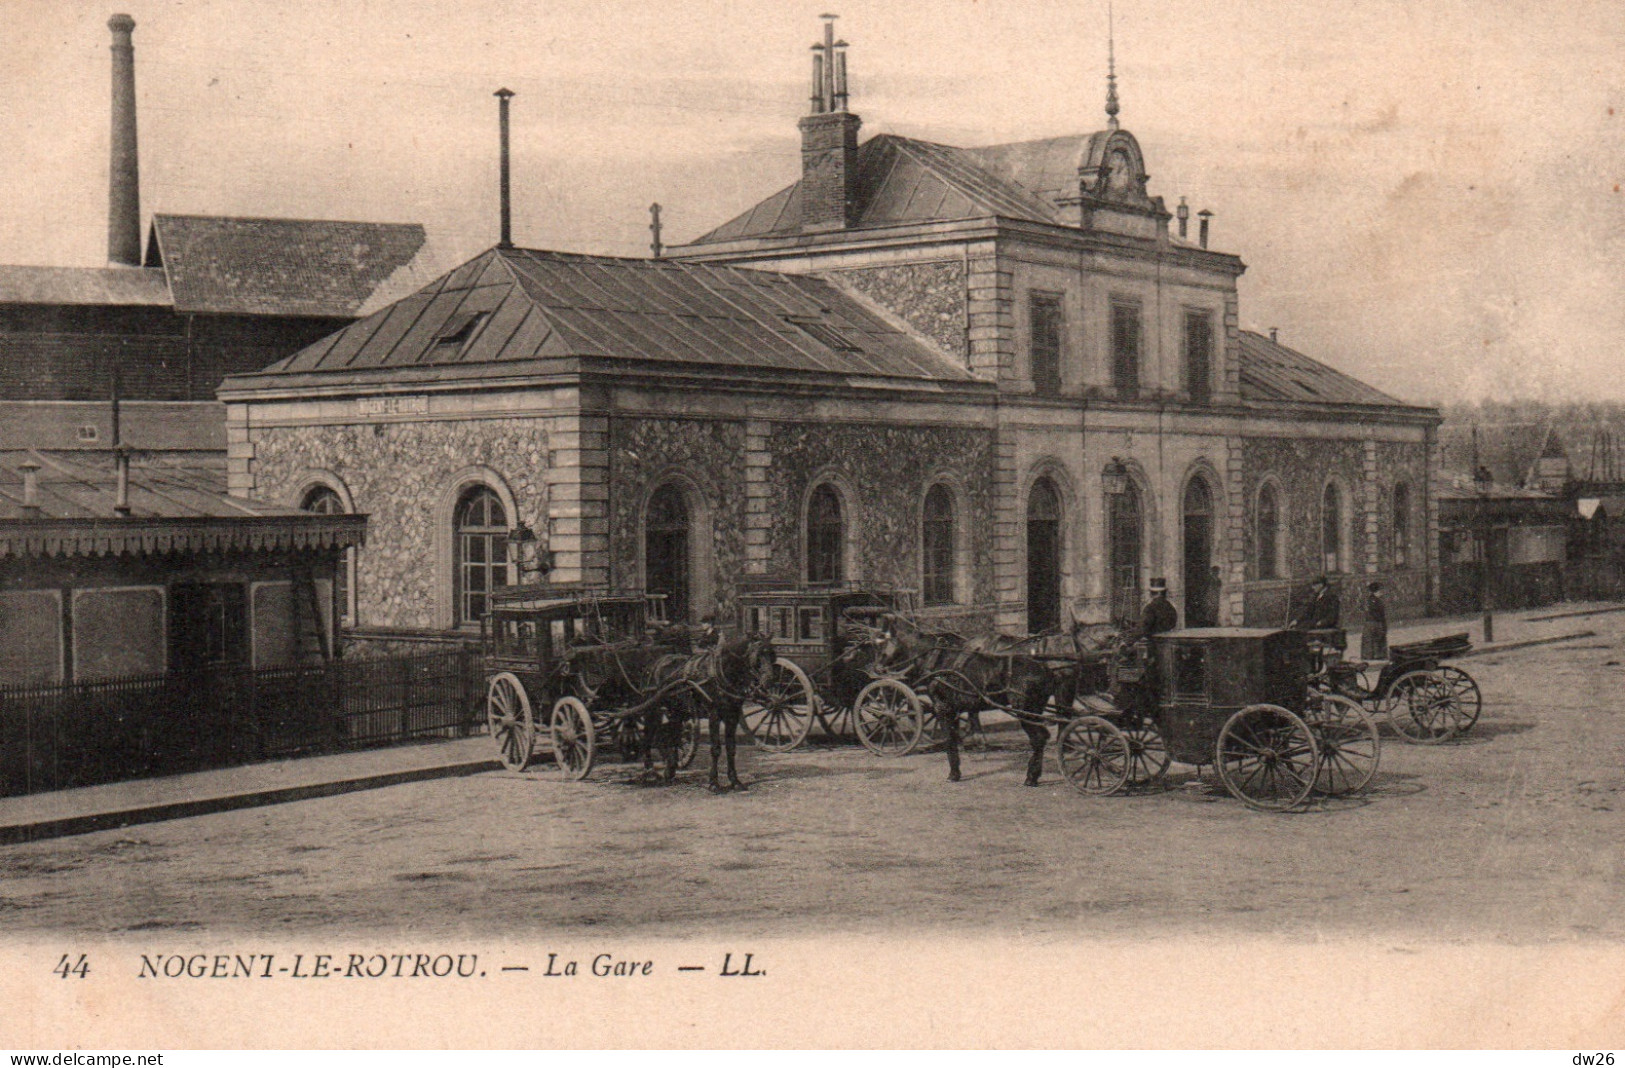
{"type": "Point", "coordinates": [123, 176]}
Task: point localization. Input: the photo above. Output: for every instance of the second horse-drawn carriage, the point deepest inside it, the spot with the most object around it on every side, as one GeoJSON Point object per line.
{"type": "Point", "coordinates": [834, 673]}
{"type": "Point", "coordinates": [1425, 700]}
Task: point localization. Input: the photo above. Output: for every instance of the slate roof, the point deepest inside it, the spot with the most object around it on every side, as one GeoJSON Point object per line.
{"type": "Point", "coordinates": [1271, 372]}
{"type": "Point", "coordinates": [176, 504]}
{"type": "Point", "coordinates": [294, 267]}
{"type": "Point", "coordinates": [904, 180]}
{"type": "Point", "coordinates": [508, 311]}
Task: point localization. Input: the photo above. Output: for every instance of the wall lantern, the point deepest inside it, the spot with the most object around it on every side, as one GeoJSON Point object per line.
{"type": "Point", "coordinates": [526, 550]}
{"type": "Point", "coordinates": [1115, 478]}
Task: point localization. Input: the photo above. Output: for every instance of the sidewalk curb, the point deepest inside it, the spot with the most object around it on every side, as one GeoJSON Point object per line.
{"type": "Point", "coordinates": [62, 827]}
{"type": "Point", "coordinates": [1486, 650]}
{"type": "Point", "coordinates": [1574, 615]}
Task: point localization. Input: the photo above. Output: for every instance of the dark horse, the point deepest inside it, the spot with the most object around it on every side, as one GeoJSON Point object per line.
{"type": "Point", "coordinates": [714, 682]}
{"type": "Point", "coordinates": [1018, 675]}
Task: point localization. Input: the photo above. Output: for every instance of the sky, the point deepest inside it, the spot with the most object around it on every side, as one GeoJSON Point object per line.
{"type": "Point", "coordinates": [1427, 193]}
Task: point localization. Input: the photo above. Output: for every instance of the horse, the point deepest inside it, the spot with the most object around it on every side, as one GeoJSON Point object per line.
{"type": "Point", "coordinates": [720, 678]}
{"type": "Point", "coordinates": [1001, 671]}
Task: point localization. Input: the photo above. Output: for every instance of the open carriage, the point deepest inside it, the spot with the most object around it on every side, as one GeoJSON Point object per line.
{"type": "Point", "coordinates": [576, 662]}
{"type": "Point", "coordinates": [832, 673]}
{"type": "Point", "coordinates": [1425, 700]}
{"type": "Point", "coordinates": [1236, 698]}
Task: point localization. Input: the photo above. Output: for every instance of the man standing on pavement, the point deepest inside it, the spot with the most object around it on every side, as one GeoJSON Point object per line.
{"type": "Point", "coordinates": [1159, 615]}
{"type": "Point", "coordinates": [1374, 635]}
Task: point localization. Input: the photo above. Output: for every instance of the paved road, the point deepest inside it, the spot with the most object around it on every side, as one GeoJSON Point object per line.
{"type": "Point", "coordinates": [1512, 835]}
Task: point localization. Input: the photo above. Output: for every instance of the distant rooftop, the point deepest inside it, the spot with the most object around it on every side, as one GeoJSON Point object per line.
{"type": "Point", "coordinates": [242, 266]}
{"type": "Point", "coordinates": [1272, 372]}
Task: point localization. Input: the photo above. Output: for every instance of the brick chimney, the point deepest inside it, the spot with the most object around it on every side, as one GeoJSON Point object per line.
{"type": "Point", "coordinates": [829, 141]}
{"type": "Point", "coordinates": [123, 174]}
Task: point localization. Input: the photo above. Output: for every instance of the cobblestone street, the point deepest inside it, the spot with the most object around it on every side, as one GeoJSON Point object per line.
{"type": "Point", "coordinates": [1510, 834]}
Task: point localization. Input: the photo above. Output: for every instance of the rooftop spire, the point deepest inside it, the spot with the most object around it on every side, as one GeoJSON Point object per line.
{"type": "Point", "coordinates": [1112, 107]}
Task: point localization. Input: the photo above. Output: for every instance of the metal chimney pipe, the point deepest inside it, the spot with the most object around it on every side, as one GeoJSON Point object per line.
{"type": "Point", "coordinates": [1275, 334]}
{"type": "Point", "coordinates": [1184, 214]}
{"type": "Point", "coordinates": [1205, 216]}
{"type": "Point", "coordinates": [654, 227]}
{"type": "Point", "coordinates": [506, 241]}
{"type": "Point", "coordinates": [30, 471]}
{"type": "Point", "coordinates": [828, 88]}
{"type": "Point", "coordinates": [123, 175]}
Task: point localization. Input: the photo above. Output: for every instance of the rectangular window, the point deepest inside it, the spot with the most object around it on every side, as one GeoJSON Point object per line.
{"type": "Point", "coordinates": [208, 625]}
{"type": "Point", "coordinates": [782, 629]}
{"type": "Point", "coordinates": [1126, 349]}
{"type": "Point", "coordinates": [812, 625]}
{"type": "Point", "coordinates": [1045, 323]}
{"type": "Point", "coordinates": [1199, 356]}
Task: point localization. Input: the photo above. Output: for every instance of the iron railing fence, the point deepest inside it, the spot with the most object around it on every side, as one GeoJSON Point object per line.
{"type": "Point", "coordinates": [80, 734]}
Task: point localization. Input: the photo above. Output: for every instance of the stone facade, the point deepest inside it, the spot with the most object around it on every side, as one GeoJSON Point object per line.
{"type": "Point", "coordinates": [1366, 472]}
{"type": "Point", "coordinates": [930, 297]}
{"type": "Point", "coordinates": [887, 469]}
{"type": "Point", "coordinates": [405, 477]}
{"type": "Point", "coordinates": [708, 456]}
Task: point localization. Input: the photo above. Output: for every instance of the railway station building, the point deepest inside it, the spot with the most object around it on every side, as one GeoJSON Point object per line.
{"type": "Point", "coordinates": [1006, 377]}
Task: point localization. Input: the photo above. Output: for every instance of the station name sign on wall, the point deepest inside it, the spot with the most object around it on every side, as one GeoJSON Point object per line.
{"type": "Point", "coordinates": [393, 405]}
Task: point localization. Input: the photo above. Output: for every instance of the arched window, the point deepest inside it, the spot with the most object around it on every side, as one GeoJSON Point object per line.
{"type": "Point", "coordinates": [325, 500]}
{"type": "Point", "coordinates": [825, 536]}
{"type": "Point", "coordinates": [1268, 533]}
{"type": "Point", "coordinates": [666, 550]}
{"type": "Point", "coordinates": [1043, 558]}
{"type": "Point", "coordinates": [481, 545]}
{"type": "Point", "coordinates": [1201, 602]}
{"type": "Point", "coordinates": [937, 545]}
{"type": "Point", "coordinates": [1333, 551]}
{"type": "Point", "coordinates": [1402, 525]}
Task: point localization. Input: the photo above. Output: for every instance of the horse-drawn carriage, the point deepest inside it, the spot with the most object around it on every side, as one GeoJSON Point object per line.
{"type": "Point", "coordinates": [1237, 698]}
{"type": "Point", "coordinates": [833, 672]}
{"type": "Point", "coordinates": [583, 658]}
{"type": "Point", "coordinates": [1425, 700]}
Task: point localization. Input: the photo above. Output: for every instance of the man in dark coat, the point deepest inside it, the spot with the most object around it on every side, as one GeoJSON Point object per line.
{"type": "Point", "coordinates": [1323, 612]}
{"type": "Point", "coordinates": [1374, 635]}
{"type": "Point", "coordinates": [1159, 614]}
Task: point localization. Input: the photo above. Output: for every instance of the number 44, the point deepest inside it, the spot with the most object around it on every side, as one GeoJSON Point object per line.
{"type": "Point", "coordinates": [65, 967]}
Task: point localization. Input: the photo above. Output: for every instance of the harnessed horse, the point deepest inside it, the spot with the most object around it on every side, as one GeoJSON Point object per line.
{"type": "Point", "coordinates": [721, 678]}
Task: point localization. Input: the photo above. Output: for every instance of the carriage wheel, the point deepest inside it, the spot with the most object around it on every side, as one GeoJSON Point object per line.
{"type": "Point", "coordinates": [1267, 757]}
{"type": "Point", "coordinates": [1349, 744]}
{"type": "Point", "coordinates": [509, 720]}
{"type": "Point", "coordinates": [1095, 756]}
{"type": "Point", "coordinates": [1148, 756]}
{"type": "Point", "coordinates": [888, 718]}
{"type": "Point", "coordinates": [688, 744]}
{"type": "Point", "coordinates": [1422, 708]}
{"type": "Point", "coordinates": [1468, 701]}
{"type": "Point", "coordinates": [780, 713]}
{"type": "Point", "coordinates": [573, 737]}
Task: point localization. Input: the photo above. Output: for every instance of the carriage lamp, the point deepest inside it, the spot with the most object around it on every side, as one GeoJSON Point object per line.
{"type": "Point", "coordinates": [1115, 478]}
{"type": "Point", "coordinates": [526, 549]}
{"type": "Point", "coordinates": [1483, 480]}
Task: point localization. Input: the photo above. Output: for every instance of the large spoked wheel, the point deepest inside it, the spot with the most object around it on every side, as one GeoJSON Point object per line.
{"type": "Point", "coordinates": [1350, 746]}
{"type": "Point", "coordinates": [780, 713]}
{"type": "Point", "coordinates": [508, 718]}
{"type": "Point", "coordinates": [888, 718]}
{"type": "Point", "coordinates": [1422, 708]}
{"type": "Point", "coordinates": [1468, 702]}
{"type": "Point", "coordinates": [573, 737]}
{"type": "Point", "coordinates": [1094, 755]}
{"type": "Point", "coordinates": [688, 744]}
{"type": "Point", "coordinates": [1148, 756]}
{"type": "Point", "coordinates": [1267, 758]}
